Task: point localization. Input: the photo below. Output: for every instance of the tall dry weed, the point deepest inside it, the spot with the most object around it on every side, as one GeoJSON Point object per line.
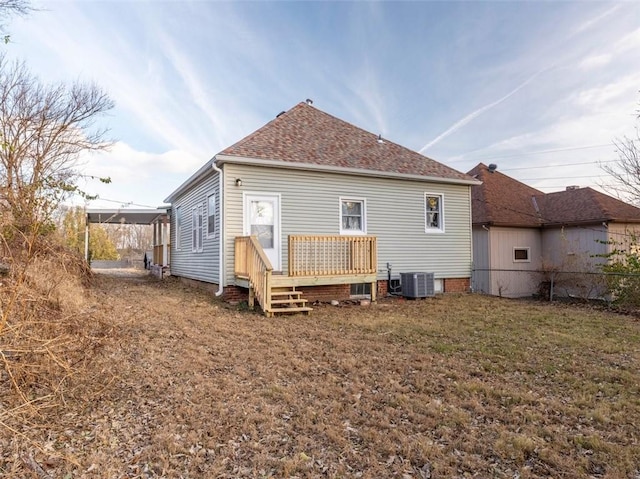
{"type": "Point", "coordinates": [48, 335]}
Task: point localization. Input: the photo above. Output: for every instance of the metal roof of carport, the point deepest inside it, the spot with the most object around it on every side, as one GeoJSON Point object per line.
{"type": "Point", "coordinates": [125, 215]}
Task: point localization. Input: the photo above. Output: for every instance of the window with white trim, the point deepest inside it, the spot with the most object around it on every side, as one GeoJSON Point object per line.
{"type": "Point", "coordinates": [178, 227]}
{"type": "Point", "coordinates": [361, 289]}
{"type": "Point", "coordinates": [197, 228]}
{"type": "Point", "coordinates": [521, 255]}
{"type": "Point", "coordinates": [211, 216]}
{"type": "Point", "coordinates": [353, 216]}
{"type": "Point", "coordinates": [433, 213]}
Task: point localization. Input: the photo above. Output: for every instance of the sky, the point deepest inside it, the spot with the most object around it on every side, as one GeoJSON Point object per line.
{"type": "Point", "coordinates": [542, 89]}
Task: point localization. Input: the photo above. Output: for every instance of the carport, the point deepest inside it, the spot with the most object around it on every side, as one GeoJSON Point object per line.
{"type": "Point", "coordinates": [158, 217]}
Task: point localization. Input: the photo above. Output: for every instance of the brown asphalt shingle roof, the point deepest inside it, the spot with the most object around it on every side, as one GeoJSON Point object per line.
{"type": "Point", "coordinates": [306, 135]}
{"type": "Point", "coordinates": [503, 201]}
{"type": "Point", "coordinates": [585, 205]}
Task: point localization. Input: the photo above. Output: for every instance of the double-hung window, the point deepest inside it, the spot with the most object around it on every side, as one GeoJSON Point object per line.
{"type": "Point", "coordinates": [434, 213]}
{"type": "Point", "coordinates": [211, 216]}
{"type": "Point", "coordinates": [197, 228]}
{"type": "Point", "coordinates": [353, 216]}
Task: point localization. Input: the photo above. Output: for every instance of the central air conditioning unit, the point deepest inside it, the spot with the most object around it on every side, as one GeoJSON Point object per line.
{"type": "Point", "coordinates": [417, 285]}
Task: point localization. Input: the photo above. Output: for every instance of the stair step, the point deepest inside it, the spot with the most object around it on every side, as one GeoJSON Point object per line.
{"type": "Point", "coordinates": [286, 293]}
{"type": "Point", "coordinates": [301, 301]}
{"type": "Point", "coordinates": [300, 309]}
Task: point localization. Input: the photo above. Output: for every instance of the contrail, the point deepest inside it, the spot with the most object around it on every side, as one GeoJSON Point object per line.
{"type": "Point", "coordinates": [480, 111]}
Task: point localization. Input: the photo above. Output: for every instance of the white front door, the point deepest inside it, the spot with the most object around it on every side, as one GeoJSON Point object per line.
{"type": "Point", "coordinates": [262, 219]}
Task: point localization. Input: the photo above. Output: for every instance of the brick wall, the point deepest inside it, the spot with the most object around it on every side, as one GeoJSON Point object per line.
{"type": "Point", "coordinates": [383, 288]}
{"type": "Point", "coordinates": [235, 294]}
{"type": "Point", "coordinates": [326, 293]}
{"type": "Point", "coordinates": [194, 283]}
{"type": "Point", "coordinates": [457, 285]}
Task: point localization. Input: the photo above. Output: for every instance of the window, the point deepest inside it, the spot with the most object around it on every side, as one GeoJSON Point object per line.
{"type": "Point", "coordinates": [353, 218]}
{"type": "Point", "coordinates": [197, 228]}
{"type": "Point", "coordinates": [211, 216]}
{"type": "Point", "coordinates": [178, 227]}
{"type": "Point", "coordinates": [521, 255]}
{"type": "Point", "coordinates": [433, 211]}
{"type": "Point", "coordinates": [361, 289]}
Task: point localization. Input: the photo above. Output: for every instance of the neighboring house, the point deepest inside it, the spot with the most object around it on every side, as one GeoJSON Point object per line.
{"type": "Point", "coordinates": [330, 207]}
{"type": "Point", "coordinates": [519, 231]}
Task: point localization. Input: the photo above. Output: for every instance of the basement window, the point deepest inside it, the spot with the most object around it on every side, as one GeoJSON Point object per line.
{"type": "Point", "coordinates": [361, 290]}
{"type": "Point", "coordinates": [521, 255]}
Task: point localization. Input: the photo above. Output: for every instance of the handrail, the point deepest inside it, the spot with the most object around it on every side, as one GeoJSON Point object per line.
{"type": "Point", "coordinates": [324, 255]}
{"type": "Point", "coordinates": [252, 263]}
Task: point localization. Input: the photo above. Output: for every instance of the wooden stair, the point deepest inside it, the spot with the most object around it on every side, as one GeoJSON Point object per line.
{"type": "Point", "coordinates": [286, 299]}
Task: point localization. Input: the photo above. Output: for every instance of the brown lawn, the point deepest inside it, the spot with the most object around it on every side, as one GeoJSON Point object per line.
{"type": "Point", "coordinates": [457, 386]}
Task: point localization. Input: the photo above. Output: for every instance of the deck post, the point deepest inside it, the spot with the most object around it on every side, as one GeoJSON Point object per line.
{"type": "Point", "coordinates": [252, 297]}
{"type": "Point", "coordinates": [374, 291]}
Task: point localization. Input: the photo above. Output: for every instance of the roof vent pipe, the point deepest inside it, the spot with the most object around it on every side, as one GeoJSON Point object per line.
{"type": "Point", "coordinates": [309, 101]}
{"type": "Point", "coordinates": [380, 140]}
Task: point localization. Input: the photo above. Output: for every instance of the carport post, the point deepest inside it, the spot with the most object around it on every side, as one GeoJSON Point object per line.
{"type": "Point", "coordinates": [86, 237]}
{"type": "Point", "coordinates": [165, 252]}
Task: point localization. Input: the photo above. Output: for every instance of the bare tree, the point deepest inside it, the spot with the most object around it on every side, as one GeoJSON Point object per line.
{"type": "Point", "coordinates": [9, 8]}
{"type": "Point", "coordinates": [43, 130]}
{"type": "Point", "coordinates": [626, 171]}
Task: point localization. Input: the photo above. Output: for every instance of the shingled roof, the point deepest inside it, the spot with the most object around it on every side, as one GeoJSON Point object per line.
{"type": "Point", "coordinates": [501, 200]}
{"type": "Point", "coordinates": [504, 201]}
{"type": "Point", "coordinates": [585, 205]}
{"type": "Point", "coordinates": [305, 135]}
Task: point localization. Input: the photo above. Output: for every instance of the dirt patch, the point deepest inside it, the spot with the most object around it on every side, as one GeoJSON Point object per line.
{"type": "Point", "coordinates": [456, 386]}
{"type": "Point", "coordinates": [122, 272]}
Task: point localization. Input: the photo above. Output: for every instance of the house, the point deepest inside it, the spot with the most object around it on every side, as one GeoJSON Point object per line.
{"type": "Point", "coordinates": [314, 205]}
{"type": "Point", "coordinates": [522, 235]}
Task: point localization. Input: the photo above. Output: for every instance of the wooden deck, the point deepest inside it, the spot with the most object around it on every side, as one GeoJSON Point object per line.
{"type": "Point", "coordinates": [314, 260]}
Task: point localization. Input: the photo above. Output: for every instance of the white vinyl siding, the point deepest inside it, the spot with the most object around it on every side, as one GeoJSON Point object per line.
{"type": "Point", "coordinates": [395, 214]}
{"type": "Point", "coordinates": [185, 263]}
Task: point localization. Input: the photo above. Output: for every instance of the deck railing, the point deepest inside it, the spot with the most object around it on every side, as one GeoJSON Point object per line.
{"type": "Point", "coordinates": [325, 255]}
{"type": "Point", "coordinates": [252, 263]}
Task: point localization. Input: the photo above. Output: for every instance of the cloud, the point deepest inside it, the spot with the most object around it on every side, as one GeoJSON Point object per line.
{"type": "Point", "coordinates": [603, 97]}
{"type": "Point", "coordinates": [137, 177]}
{"type": "Point", "coordinates": [594, 61]}
{"type": "Point", "coordinates": [630, 41]}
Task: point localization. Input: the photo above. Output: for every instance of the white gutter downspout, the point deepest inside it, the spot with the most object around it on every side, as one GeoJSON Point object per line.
{"type": "Point", "coordinates": [222, 233]}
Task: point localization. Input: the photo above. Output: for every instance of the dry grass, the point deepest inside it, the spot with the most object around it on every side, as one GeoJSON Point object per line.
{"type": "Point", "coordinates": [47, 334]}
{"type": "Point", "coordinates": [457, 386]}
